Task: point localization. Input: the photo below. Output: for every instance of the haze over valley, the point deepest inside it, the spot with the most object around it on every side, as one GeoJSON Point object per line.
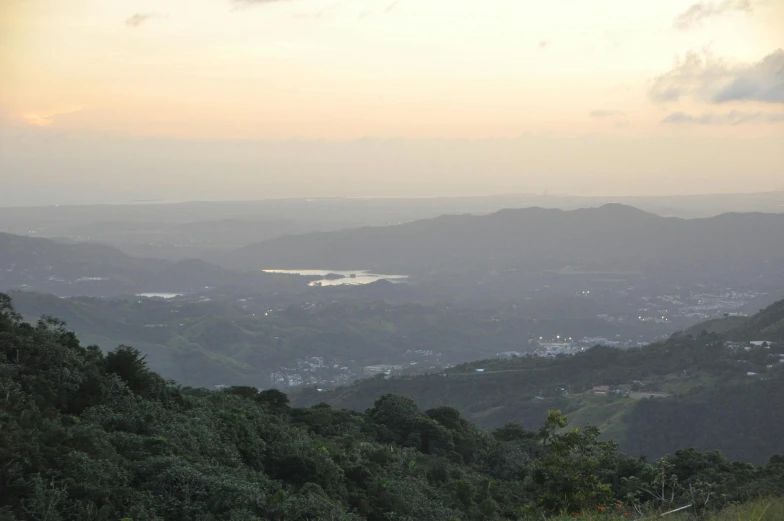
{"type": "Point", "coordinates": [465, 287]}
{"type": "Point", "coordinates": [391, 260]}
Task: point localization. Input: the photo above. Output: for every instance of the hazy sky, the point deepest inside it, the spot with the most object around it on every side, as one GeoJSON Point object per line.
{"type": "Point", "coordinates": [106, 101]}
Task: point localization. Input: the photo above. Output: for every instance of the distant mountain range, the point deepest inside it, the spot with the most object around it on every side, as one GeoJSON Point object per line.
{"type": "Point", "coordinates": [731, 249]}
{"type": "Point", "coordinates": [612, 238]}
{"type": "Point", "coordinates": [67, 269]}
{"type": "Point", "coordinates": [177, 231]}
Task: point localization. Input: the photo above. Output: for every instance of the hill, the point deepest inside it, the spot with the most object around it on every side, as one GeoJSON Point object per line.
{"type": "Point", "coordinates": [34, 255]}
{"type": "Point", "coordinates": [65, 269]}
{"type": "Point", "coordinates": [93, 436]}
{"type": "Point", "coordinates": [768, 324]}
{"type": "Point", "coordinates": [612, 238]}
{"type": "Point", "coordinates": [707, 392]}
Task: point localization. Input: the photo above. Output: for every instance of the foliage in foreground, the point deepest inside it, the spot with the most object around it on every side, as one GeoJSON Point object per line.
{"type": "Point", "coordinates": [91, 436]}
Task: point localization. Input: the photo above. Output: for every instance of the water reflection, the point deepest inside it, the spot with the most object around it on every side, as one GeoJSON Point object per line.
{"type": "Point", "coordinates": [338, 277]}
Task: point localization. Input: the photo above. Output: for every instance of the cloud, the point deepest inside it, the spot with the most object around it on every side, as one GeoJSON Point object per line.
{"type": "Point", "coordinates": [714, 80]}
{"type": "Point", "coordinates": [139, 19]}
{"type": "Point", "coordinates": [318, 15]}
{"type": "Point", "coordinates": [388, 9]}
{"type": "Point", "coordinates": [616, 116]}
{"type": "Point", "coordinates": [257, 2]}
{"type": "Point", "coordinates": [694, 15]}
{"type": "Point", "coordinates": [392, 6]}
{"type": "Point", "coordinates": [607, 114]}
{"type": "Point", "coordinates": [734, 117]}
{"type": "Point", "coordinates": [763, 81]}
{"type": "Point", "coordinates": [46, 119]}
{"type": "Point", "coordinates": [242, 4]}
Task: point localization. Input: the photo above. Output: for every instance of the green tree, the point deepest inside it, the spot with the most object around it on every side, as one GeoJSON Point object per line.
{"type": "Point", "coordinates": [129, 364]}
{"type": "Point", "coordinates": [567, 476]}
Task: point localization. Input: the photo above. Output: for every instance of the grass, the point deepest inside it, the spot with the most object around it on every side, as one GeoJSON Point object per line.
{"type": "Point", "coordinates": [762, 510]}
{"type": "Point", "coordinates": [600, 411]}
{"type": "Point", "coordinates": [759, 510]}
{"type": "Point", "coordinates": [608, 417]}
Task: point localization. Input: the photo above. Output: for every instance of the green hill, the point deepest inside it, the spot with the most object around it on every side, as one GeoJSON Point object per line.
{"type": "Point", "coordinates": [720, 326]}
{"type": "Point", "coordinates": [687, 391]}
{"type": "Point", "coordinates": [91, 436]}
{"type": "Point", "coordinates": [768, 324]}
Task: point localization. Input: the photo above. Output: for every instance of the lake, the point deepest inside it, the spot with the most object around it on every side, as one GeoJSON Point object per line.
{"type": "Point", "coordinates": [354, 277]}
{"type": "Point", "coordinates": [159, 295]}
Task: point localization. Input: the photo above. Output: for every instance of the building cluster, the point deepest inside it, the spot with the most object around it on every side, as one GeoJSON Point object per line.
{"type": "Point", "coordinates": [386, 369]}
{"type": "Point", "coordinates": [710, 305]}
{"type": "Point", "coordinates": [699, 305]}
{"type": "Point", "coordinates": [748, 345]}
{"type": "Point", "coordinates": [314, 370]}
{"type": "Point", "coordinates": [557, 348]}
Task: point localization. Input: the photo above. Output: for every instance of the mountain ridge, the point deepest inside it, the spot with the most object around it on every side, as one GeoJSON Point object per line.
{"type": "Point", "coordinates": [613, 237]}
{"type": "Point", "coordinates": [42, 264]}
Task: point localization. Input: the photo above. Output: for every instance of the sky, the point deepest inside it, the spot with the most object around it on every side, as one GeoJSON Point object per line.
{"type": "Point", "coordinates": [253, 99]}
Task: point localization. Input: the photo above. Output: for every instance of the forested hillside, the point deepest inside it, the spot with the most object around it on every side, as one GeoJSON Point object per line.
{"type": "Point", "coordinates": [708, 391]}
{"type": "Point", "coordinates": [91, 436]}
